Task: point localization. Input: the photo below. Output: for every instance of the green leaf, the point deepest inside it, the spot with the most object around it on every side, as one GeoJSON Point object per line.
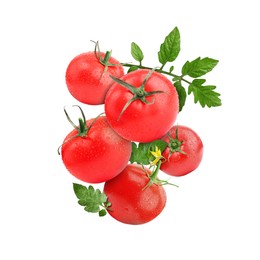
{"type": "Point", "coordinates": [80, 191]}
{"type": "Point", "coordinates": [136, 52]}
{"type": "Point", "coordinates": [132, 68]}
{"type": "Point", "coordinates": [82, 202]}
{"type": "Point", "coordinates": [141, 153]}
{"type": "Point", "coordinates": [181, 94]}
{"type": "Point", "coordinates": [205, 95]}
{"type": "Point", "coordinates": [171, 69]}
{"type": "Point", "coordinates": [185, 68]}
{"type": "Point", "coordinates": [102, 213]}
{"type": "Point", "coordinates": [159, 143]}
{"type": "Point", "coordinates": [176, 78]}
{"type": "Point", "coordinates": [92, 199]}
{"type": "Point", "coordinates": [92, 207]}
{"type": "Point", "coordinates": [170, 48]}
{"type": "Point", "coordinates": [196, 82]}
{"type": "Point", "coordinates": [198, 67]}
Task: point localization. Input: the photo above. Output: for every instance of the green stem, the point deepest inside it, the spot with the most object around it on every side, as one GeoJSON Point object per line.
{"type": "Point", "coordinates": [162, 67]}
{"type": "Point", "coordinates": [158, 70]}
{"type": "Point", "coordinates": [154, 175]}
{"type": "Point", "coordinates": [154, 180]}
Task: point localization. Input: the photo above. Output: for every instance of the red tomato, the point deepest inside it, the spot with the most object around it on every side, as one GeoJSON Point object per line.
{"type": "Point", "coordinates": [142, 121]}
{"type": "Point", "coordinates": [184, 152]}
{"type": "Point", "coordinates": [98, 156]}
{"type": "Point", "coordinates": [131, 203]}
{"type": "Point", "coordinates": [86, 79]}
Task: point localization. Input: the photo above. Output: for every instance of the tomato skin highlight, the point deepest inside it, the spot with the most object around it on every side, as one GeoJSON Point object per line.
{"type": "Point", "coordinates": [99, 156]}
{"type": "Point", "coordinates": [130, 202]}
{"type": "Point", "coordinates": [142, 122]}
{"type": "Point", "coordinates": [179, 164]}
{"type": "Point", "coordinates": [86, 80]}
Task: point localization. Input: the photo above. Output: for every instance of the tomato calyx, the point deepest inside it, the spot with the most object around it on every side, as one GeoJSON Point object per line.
{"type": "Point", "coordinates": [153, 177]}
{"type": "Point", "coordinates": [139, 93]}
{"type": "Point", "coordinates": [175, 144]}
{"type": "Point", "coordinates": [82, 128]}
{"type": "Point", "coordinates": [104, 61]}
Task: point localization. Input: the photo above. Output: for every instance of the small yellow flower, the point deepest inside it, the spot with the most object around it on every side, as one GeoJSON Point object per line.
{"type": "Point", "coordinates": [158, 156]}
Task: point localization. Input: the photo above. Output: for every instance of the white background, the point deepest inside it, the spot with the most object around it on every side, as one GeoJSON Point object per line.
{"type": "Point", "coordinates": [214, 214]}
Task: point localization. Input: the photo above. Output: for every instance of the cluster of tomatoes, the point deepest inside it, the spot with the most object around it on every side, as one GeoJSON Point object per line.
{"type": "Point", "coordinates": [140, 107]}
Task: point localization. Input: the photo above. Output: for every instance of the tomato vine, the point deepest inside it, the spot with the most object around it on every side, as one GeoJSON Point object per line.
{"type": "Point", "coordinates": [169, 50]}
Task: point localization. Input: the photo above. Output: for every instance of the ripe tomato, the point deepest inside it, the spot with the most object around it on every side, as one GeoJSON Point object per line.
{"type": "Point", "coordinates": [87, 80]}
{"type": "Point", "coordinates": [148, 116]}
{"type": "Point", "coordinates": [131, 202]}
{"type": "Point", "coordinates": [184, 152]}
{"type": "Point", "coordinates": [98, 156]}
